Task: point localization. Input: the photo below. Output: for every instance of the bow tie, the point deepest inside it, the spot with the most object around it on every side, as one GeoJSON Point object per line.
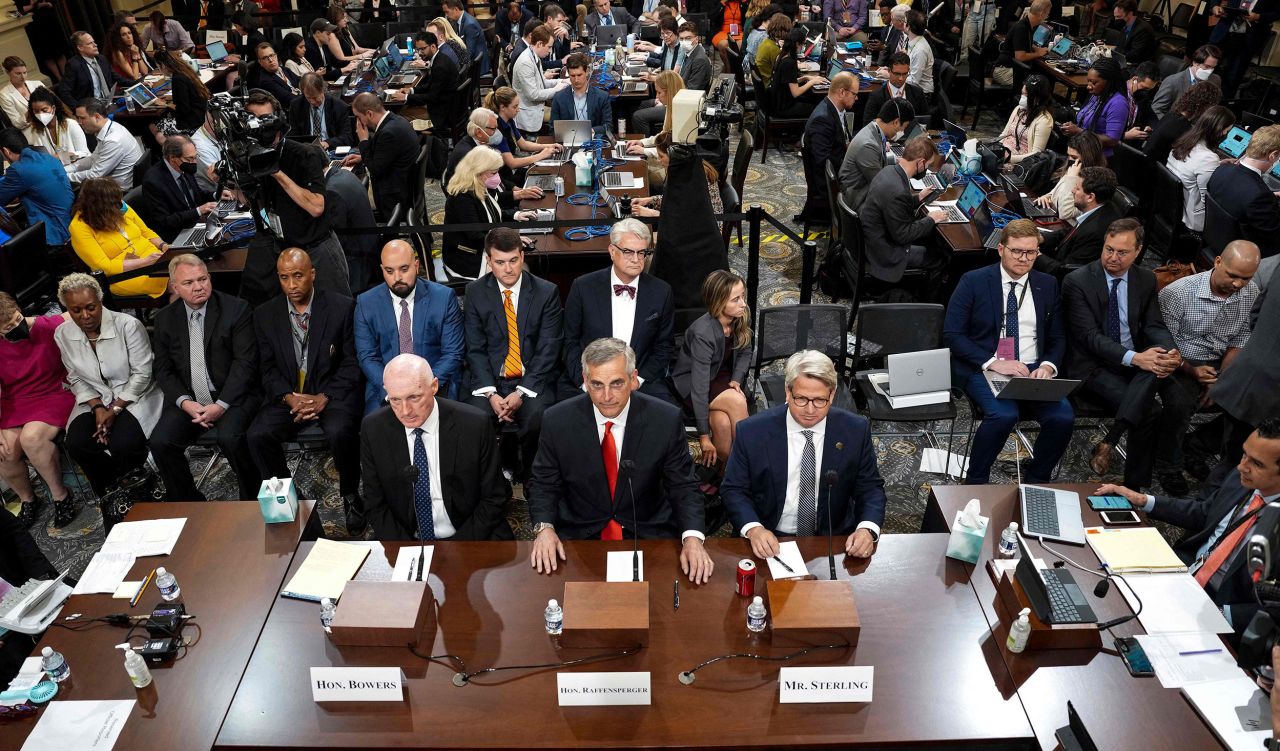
{"type": "Point", "coordinates": [618, 289]}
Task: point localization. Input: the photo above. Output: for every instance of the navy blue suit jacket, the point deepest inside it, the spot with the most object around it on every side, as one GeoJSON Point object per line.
{"type": "Point", "coordinates": [599, 109]}
{"type": "Point", "coordinates": [755, 480]}
{"type": "Point", "coordinates": [438, 336]}
{"type": "Point", "coordinates": [972, 325]}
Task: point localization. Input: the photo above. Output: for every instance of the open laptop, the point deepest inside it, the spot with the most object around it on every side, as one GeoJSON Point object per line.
{"type": "Point", "coordinates": [1029, 389]}
{"type": "Point", "coordinates": [1272, 178]}
{"type": "Point", "coordinates": [608, 36]}
{"type": "Point", "coordinates": [618, 208]}
{"type": "Point", "coordinates": [194, 238]}
{"type": "Point", "coordinates": [634, 87]}
{"type": "Point", "coordinates": [1041, 36]}
{"type": "Point", "coordinates": [1074, 736]}
{"type": "Point", "coordinates": [971, 197]}
{"type": "Point", "coordinates": [1051, 514]}
{"type": "Point", "coordinates": [142, 96]}
{"type": "Point", "coordinates": [958, 134]}
{"type": "Point", "coordinates": [217, 51]}
{"type": "Point", "coordinates": [1019, 205]}
{"type": "Point", "coordinates": [618, 180]}
{"type": "Point", "coordinates": [545, 181]}
{"type": "Point", "coordinates": [1054, 595]}
{"type": "Point", "coordinates": [1060, 49]}
{"type": "Point", "coordinates": [919, 372]}
{"type": "Point", "coordinates": [571, 133]}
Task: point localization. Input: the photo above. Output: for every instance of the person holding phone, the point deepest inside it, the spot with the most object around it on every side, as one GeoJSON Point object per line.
{"type": "Point", "coordinates": [1083, 150]}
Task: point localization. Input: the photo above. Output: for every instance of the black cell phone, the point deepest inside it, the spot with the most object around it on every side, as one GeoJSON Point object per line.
{"type": "Point", "coordinates": [1135, 658]}
{"type": "Point", "coordinates": [1119, 517]}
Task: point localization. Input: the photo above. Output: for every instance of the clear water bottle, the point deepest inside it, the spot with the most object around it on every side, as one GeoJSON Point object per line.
{"type": "Point", "coordinates": [559, 186]}
{"type": "Point", "coordinates": [327, 611]}
{"type": "Point", "coordinates": [168, 585]}
{"type": "Point", "coordinates": [1009, 541]}
{"type": "Point", "coordinates": [554, 617]}
{"type": "Point", "coordinates": [756, 614]}
{"type": "Point", "coordinates": [55, 665]}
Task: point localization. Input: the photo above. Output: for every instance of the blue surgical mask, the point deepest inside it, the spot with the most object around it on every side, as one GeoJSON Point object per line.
{"type": "Point", "coordinates": [124, 207]}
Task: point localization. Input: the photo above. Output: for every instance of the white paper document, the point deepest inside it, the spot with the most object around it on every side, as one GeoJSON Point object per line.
{"type": "Point", "coordinates": [942, 462]}
{"type": "Point", "coordinates": [104, 573]}
{"type": "Point", "coordinates": [1173, 603]}
{"type": "Point", "coordinates": [619, 566]}
{"type": "Point", "coordinates": [150, 537]}
{"type": "Point", "coordinates": [82, 725]}
{"type": "Point", "coordinates": [406, 568]}
{"type": "Point", "coordinates": [1237, 711]}
{"type": "Point", "coordinates": [789, 553]}
{"type": "Point", "coordinates": [1185, 659]}
{"type": "Point", "coordinates": [126, 590]}
{"type": "Point", "coordinates": [28, 675]}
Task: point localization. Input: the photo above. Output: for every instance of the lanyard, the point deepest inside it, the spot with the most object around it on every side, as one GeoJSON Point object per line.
{"type": "Point", "coordinates": [1004, 317]}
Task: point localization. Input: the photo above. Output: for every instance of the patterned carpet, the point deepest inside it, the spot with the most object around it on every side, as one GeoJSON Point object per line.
{"type": "Point", "coordinates": [776, 185]}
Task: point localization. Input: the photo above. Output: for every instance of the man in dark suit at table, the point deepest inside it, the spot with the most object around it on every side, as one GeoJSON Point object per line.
{"type": "Point", "coordinates": [895, 232]}
{"type": "Point", "coordinates": [435, 94]}
{"type": "Point", "coordinates": [206, 360]}
{"type": "Point", "coordinates": [515, 328]}
{"type": "Point", "coordinates": [273, 77]}
{"type": "Point", "coordinates": [318, 113]}
{"type": "Point", "coordinates": [868, 153]}
{"type": "Point", "coordinates": [577, 489]}
{"type": "Point", "coordinates": [171, 199]}
{"type": "Point", "coordinates": [773, 482]}
{"type": "Point", "coordinates": [897, 87]}
{"type": "Point", "coordinates": [604, 14]}
{"type": "Point", "coordinates": [826, 137]}
{"type": "Point", "coordinates": [1139, 38]}
{"type": "Point", "coordinates": [388, 149]}
{"type": "Point", "coordinates": [407, 315]}
{"type": "Point", "coordinates": [1239, 191]}
{"type": "Point", "coordinates": [1218, 524]}
{"type": "Point", "coordinates": [581, 100]}
{"type": "Point", "coordinates": [444, 451]}
{"type": "Point", "coordinates": [1064, 250]}
{"type": "Point", "coordinates": [626, 303]}
{"type": "Point", "coordinates": [990, 328]}
{"type": "Point", "coordinates": [1119, 346]}
{"type": "Point", "coordinates": [307, 362]}
{"type": "Point", "coordinates": [87, 74]}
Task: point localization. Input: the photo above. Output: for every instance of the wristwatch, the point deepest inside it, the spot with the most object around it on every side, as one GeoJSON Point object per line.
{"type": "Point", "coordinates": [537, 528]}
{"type": "Point", "coordinates": [875, 536]}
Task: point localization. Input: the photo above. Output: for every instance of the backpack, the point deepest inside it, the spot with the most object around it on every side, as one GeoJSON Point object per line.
{"type": "Point", "coordinates": [1036, 171]}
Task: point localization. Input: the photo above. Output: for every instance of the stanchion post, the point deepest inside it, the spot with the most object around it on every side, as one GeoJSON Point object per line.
{"type": "Point", "coordinates": [754, 215]}
{"type": "Point", "coordinates": [808, 260]}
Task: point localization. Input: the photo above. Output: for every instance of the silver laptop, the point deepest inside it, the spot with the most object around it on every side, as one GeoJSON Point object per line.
{"type": "Point", "coordinates": [142, 96]}
{"type": "Point", "coordinates": [1051, 514]}
{"type": "Point", "coordinates": [618, 180]}
{"type": "Point", "coordinates": [193, 237]}
{"type": "Point", "coordinates": [546, 182]}
{"type": "Point", "coordinates": [217, 51]}
{"type": "Point", "coordinates": [635, 87]}
{"type": "Point", "coordinates": [919, 372]}
{"type": "Point", "coordinates": [571, 133]}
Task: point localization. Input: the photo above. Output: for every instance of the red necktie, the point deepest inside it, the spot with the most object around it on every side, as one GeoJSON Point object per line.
{"type": "Point", "coordinates": [1223, 550]}
{"type": "Point", "coordinates": [609, 452]}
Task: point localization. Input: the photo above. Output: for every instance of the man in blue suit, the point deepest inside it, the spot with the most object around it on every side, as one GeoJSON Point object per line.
{"type": "Point", "coordinates": [992, 326]}
{"type": "Point", "coordinates": [582, 101]}
{"type": "Point", "coordinates": [472, 34]}
{"type": "Point", "coordinates": [41, 183]}
{"type": "Point", "coordinates": [408, 315]}
{"type": "Point", "coordinates": [772, 484]}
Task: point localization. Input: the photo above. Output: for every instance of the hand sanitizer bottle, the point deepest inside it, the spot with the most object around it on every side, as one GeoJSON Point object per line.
{"type": "Point", "coordinates": [1019, 631]}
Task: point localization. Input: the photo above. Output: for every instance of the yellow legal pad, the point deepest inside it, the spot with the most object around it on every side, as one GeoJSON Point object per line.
{"type": "Point", "coordinates": [1133, 550]}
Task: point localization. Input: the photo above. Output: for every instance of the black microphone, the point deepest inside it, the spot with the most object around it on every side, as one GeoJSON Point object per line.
{"type": "Point", "coordinates": [630, 466]}
{"type": "Point", "coordinates": [411, 474]}
{"type": "Point", "coordinates": [830, 477]}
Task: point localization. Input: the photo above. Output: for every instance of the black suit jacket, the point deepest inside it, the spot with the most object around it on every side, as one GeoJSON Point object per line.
{"type": "Point", "coordinates": [1141, 44]}
{"type": "Point", "coordinates": [165, 206]}
{"type": "Point", "coordinates": [891, 223]}
{"type": "Point", "coordinates": [916, 97]}
{"type": "Point", "coordinates": [230, 350]}
{"type": "Point", "coordinates": [332, 368]}
{"type": "Point", "coordinates": [284, 94]}
{"type": "Point", "coordinates": [469, 474]}
{"type": "Point", "coordinates": [1084, 299]}
{"type": "Point", "coordinates": [388, 155]}
{"type": "Point", "coordinates": [587, 318]}
{"type": "Point", "coordinates": [337, 120]}
{"type": "Point", "coordinates": [539, 323]}
{"type": "Point", "coordinates": [568, 487]}
{"type": "Point", "coordinates": [436, 90]}
{"type": "Point", "coordinates": [825, 139]}
{"type": "Point", "coordinates": [320, 57]}
{"type": "Point", "coordinates": [346, 204]}
{"type": "Point", "coordinates": [1249, 390]}
{"type": "Point", "coordinates": [77, 81]}
{"type": "Point", "coordinates": [1078, 245]}
{"type": "Point", "coordinates": [1245, 197]}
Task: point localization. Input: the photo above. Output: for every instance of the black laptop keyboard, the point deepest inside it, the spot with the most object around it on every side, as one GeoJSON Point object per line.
{"type": "Point", "coordinates": [1040, 511]}
{"type": "Point", "coordinates": [1061, 603]}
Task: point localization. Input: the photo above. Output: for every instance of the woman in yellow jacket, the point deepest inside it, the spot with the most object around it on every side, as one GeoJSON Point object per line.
{"type": "Point", "coordinates": [109, 236]}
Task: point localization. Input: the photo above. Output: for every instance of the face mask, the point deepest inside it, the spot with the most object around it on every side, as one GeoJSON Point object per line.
{"type": "Point", "coordinates": [19, 332]}
{"type": "Point", "coordinates": [124, 207]}
{"type": "Point", "coordinates": [1022, 102]}
{"type": "Point", "coordinates": [1203, 74]}
{"type": "Point", "coordinates": [496, 138]}
{"type": "Point", "coordinates": [493, 182]}
{"type": "Point", "coordinates": [188, 167]}
{"type": "Point", "coordinates": [686, 45]}
{"type": "Point", "coordinates": [44, 117]}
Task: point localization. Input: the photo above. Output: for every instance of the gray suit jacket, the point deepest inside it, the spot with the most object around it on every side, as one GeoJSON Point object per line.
{"type": "Point", "coordinates": [695, 71]}
{"type": "Point", "coordinates": [891, 224]}
{"type": "Point", "coordinates": [863, 160]}
{"type": "Point", "coordinates": [1249, 390]}
{"type": "Point", "coordinates": [1172, 87]}
{"type": "Point", "coordinates": [698, 362]}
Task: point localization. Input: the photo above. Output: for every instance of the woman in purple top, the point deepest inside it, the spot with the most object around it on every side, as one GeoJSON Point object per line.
{"type": "Point", "coordinates": [1107, 110]}
{"type": "Point", "coordinates": [34, 407]}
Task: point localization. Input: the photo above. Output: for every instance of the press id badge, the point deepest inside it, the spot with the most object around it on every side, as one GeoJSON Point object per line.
{"type": "Point", "coordinates": [272, 220]}
{"type": "Point", "coordinates": [1004, 349]}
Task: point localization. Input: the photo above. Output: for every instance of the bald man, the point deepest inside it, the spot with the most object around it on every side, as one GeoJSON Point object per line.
{"type": "Point", "coordinates": [1208, 316]}
{"type": "Point", "coordinates": [307, 363]}
{"type": "Point", "coordinates": [430, 465]}
{"type": "Point", "coordinates": [826, 136]}
{"type": "Point", "coordinates": [406, 315]}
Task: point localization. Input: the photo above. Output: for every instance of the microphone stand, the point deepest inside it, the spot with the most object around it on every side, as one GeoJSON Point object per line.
{"type": "Point", "coordinates": [411, 472]}
{"type": "Point", "coordinates": [630, 465]}
{"type": "Point", "coordinates": [830, 477]}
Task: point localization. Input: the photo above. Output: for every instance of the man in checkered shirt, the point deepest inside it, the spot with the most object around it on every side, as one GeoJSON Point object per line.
{"type": "Point", "coordinates": [1208, 315]}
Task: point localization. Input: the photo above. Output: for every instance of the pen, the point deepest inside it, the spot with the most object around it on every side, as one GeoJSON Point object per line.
{"type": "Point", "coordinates": [783, 564]}
{"type": "Point", "coordinates": [141, 588]}
{"type": "Point", "coordinates": [1199, 652]}
{"type": "Point", "coordinates": [675, 594]}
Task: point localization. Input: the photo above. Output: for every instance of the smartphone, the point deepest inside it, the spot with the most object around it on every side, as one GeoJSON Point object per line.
{"type": "Point", "coordinates": [1109, 502]}
{"type": "Point", "coordinates": [1135, 658]}
{"type": "Point", "coordinates": [1119, 517]}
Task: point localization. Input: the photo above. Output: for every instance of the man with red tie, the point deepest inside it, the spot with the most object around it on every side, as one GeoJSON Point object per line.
{"type": "Point", "coordinates": [1220, 522]}
{"type": "Point", "coordinates": [612, 464]}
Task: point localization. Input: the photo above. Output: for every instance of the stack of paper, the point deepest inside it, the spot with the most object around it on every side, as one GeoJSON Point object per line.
{"type": "Point", "coordinates": [1237, 711]}
{"type": "Point", "coordinates": [1137, 549]}
{"type": "Point", "coordinates": [82, 725]}
{"type": "Point", "coordinates": [326, 571]}
{"type": "Point", "coordinates": [1173, 603]}
{"type": "Point", "coordinates": [104, 573]}
{"type": "Point", "coordinates": [1186, 659]}
{"type": "Point", "coordinates": [150, 537]}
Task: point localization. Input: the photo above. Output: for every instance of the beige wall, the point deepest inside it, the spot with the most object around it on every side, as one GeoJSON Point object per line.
{"type": "Point", "coordinates": [13, 40]}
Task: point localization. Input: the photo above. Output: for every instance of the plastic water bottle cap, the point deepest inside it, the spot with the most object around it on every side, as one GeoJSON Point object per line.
{"type": "Point", "coordinates": [160, 571]}
{"type": "Point", "coordinates": [1013, 526]}
{"type": "Point", "coordinates": [47, 651]}
{"type": "Point", "coordinates": [550, 604]}
{"type": "Point", "coordinates": [325, 602]}
{"type": "Point", "coordinates": [758, 600]}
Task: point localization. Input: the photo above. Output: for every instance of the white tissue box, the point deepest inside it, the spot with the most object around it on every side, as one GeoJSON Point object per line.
{"type": "Point", "coordinates": [278, 500]}
{"type": "Point", "coordinates": [965, 543]}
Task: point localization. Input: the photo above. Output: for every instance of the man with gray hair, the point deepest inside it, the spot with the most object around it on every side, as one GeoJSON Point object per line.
{"type": "Point", "coordinates": [320, 114]}
{"type": "Point", "coordinates": [171, 199]}
{"type": "Point", "coordinates": [626, 303]}
{"type": "Point", "coordinates": [773, 484]}
{"type": "Point", "coordinates": [430, 465]}
{"type": "Point", "coordinates": [611, 464]}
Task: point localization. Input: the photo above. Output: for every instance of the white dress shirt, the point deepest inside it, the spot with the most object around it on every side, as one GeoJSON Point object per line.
{"type": "Point", "coordinates": [622, 308]}
{"type": "Point", "coordinates": [1028, 345]}
{"type": "Point", "coordinates": [619, 430]}
{"type": "Point", "coordinates": [114, 157]}
{"type": "Point", "coordinates": [515, 306]}
{"type": "Point", "coordinates": [431, 442]}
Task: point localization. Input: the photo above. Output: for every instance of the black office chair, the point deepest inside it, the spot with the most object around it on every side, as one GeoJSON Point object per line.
{"type": "Point", "coordinates": [738, 182]}
{"type": "Point", "coordinates": [20, 274]}
{"type": "Point", "coordinates": [786, 329]}
{"type": "Point", "coordinates": [944, 74]}
{"type": "Point", "coordinates": [981, 88]}
{"type": "Point", "coordinates": [1164, 228]}
{"type": "Point", "coordinates": [766, 123]}
{"type": "Point", "coordinates": [1220, 227]}
{"type": "Point", "coordinates": [1133, 171]}
{"type": "Point", "coordinates": [1176, 44]}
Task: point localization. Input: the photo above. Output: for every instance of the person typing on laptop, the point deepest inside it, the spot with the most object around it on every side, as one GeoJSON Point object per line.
{"type": "Point", "coordinates": [1005, 320]}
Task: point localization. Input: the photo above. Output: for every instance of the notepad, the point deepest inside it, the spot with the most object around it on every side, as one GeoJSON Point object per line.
{"type": "Point", "coordinates": [326, 571]}
{"type": "Point", "coordinates": [1236, 710]}
{"type": "Point", "coordinates": [1141, 549]}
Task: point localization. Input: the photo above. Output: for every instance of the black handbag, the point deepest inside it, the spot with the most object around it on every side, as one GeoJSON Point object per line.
{"type": "Point", "coordinates": [137, 485]}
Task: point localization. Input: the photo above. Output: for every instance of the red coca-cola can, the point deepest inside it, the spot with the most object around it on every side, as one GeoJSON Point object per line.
{"type": "Point", "coordinates": [746, 582]}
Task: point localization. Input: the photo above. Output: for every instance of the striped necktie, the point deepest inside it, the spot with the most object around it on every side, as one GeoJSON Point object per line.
{"type": "Point", "coordinates": [511, 367]}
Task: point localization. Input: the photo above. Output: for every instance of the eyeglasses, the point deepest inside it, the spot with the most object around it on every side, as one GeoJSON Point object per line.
{"type": "Point", "coordinates": [630, 254]}
{"type": "Point", "coordinates": [1022, 255]}
{"type": "Point", "coordinates": [1107, 250]}
{"type": "Point", "coordinates": [18, 711]}
{"type": "Point", "coordinates": [804, 402]}
{"type": "Point", "coordinates": [265, 58]}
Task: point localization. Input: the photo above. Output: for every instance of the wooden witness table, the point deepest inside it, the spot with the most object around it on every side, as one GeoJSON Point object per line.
{"type": "Point", "coordinates": [229, 564]}
{"type": "Point", "coordinates": [1075, 83]}
{"type": "Point", "coordinates": [935, 681]}
{"type": "Point", "coordinates": [1120, 711]}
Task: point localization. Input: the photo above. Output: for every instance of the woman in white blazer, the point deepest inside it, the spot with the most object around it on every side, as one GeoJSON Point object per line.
{"type": "Point", "coordinates": [14, 95]}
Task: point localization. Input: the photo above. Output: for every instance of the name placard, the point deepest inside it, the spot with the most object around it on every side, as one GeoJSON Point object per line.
{"type": "Point", "coordinates": [357, 684]}
{"type": "Point", "coordinates": [825, 685]}
{"type": "Point", "coordinates": [602, 689]}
